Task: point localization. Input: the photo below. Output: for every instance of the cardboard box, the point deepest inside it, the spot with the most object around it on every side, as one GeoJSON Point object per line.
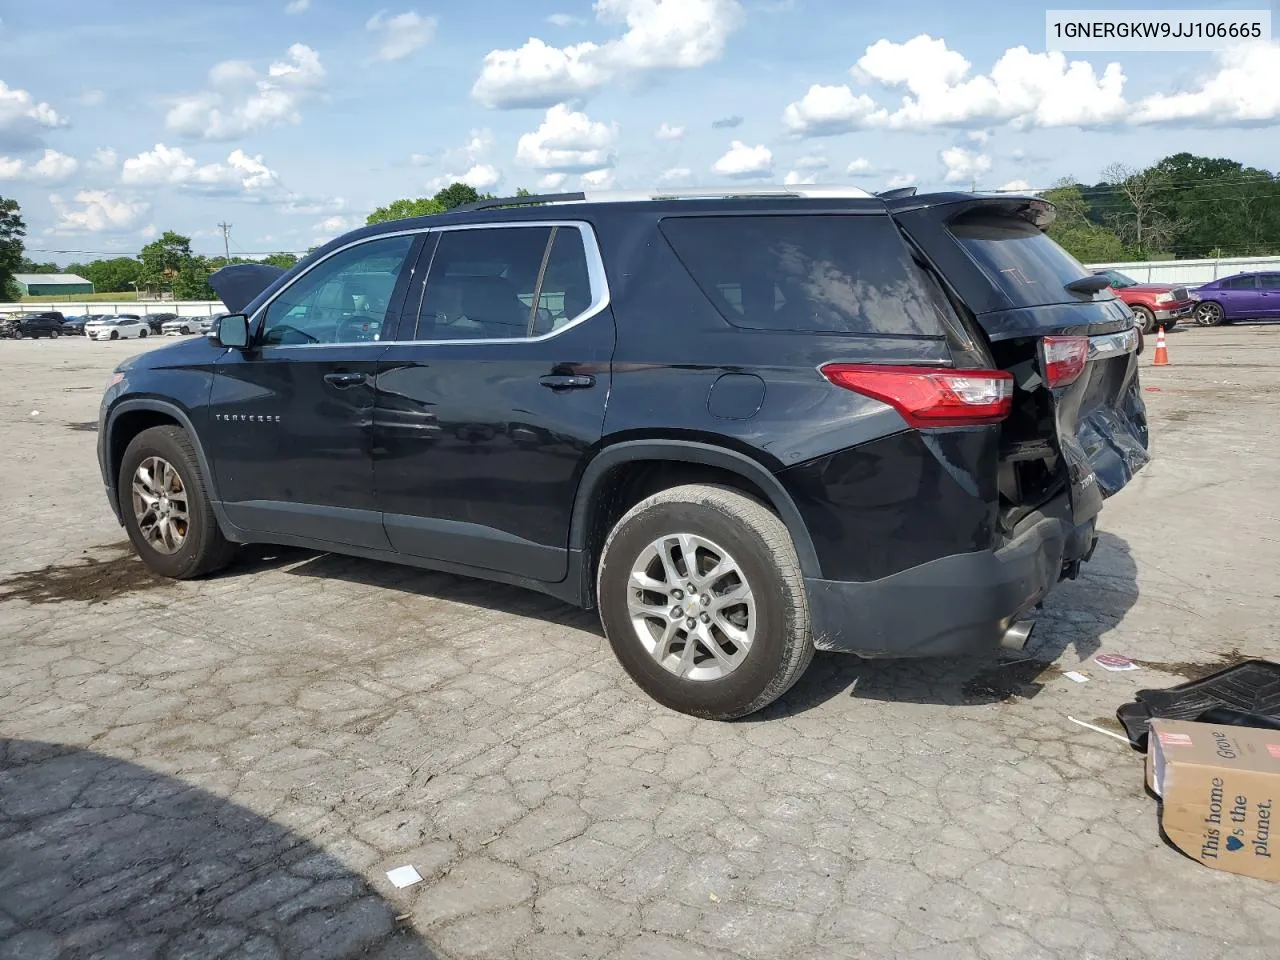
{"type": "Point", "coordinates": [1219, 789]}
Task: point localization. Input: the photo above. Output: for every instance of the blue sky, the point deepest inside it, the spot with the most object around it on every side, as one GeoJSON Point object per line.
{"type": "Point", "coordinates": [293, 120]}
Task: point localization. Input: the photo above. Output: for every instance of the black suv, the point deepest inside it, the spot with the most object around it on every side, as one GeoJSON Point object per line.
{"type": "Point", "coordinates": [35, 325]}
{"type": "Point", "coordinates": [742, 426]}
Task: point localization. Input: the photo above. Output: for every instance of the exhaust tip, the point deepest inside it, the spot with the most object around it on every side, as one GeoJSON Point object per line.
{"type": "Point", "coordinates": [1016, 637]}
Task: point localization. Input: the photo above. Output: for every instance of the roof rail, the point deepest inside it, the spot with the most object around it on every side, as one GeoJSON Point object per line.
{"type": "Point", "coordinates": [897, 193]}
{"type": "Point", "coordinates": [521, 201]}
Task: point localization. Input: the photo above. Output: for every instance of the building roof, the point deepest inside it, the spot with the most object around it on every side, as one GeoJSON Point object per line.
{"type": "Point", "coordinates": [27, 279]}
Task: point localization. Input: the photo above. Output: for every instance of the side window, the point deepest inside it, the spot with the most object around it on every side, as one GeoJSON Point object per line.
{"type": "Point", "coordinates": [1239, 283]}
{"type": "Point", "coordinates": [1270, 281]}
{"type": "Point", "coordinates": [483, 282]}
{"type": "Point", "coordinates": [566, 283]}
{"type": "Point", "coordinates": [343, 300]}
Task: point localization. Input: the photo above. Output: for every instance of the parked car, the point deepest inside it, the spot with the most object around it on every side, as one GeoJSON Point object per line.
{"type": "Point", "coordinates": [120, 327]}
{"type": "Point", "coordinates": [8, 327]}
{"type": "Point", "coordinates": [207, 324]}
{"type": "Point", "coordinates": [73, 326]}
{"type": "Point", "coordinates": [1154, 304]}
{"type": "Point", "coordinates": [156, 321]}
{"type": "Point", "coordinates": [1244, 296]}
{"type": "Point", "coordinates": [36, 325]}
{"type": "Point", "coordinates": [754, 426]}
{"type": "Point", "coordinates": [180, 326]}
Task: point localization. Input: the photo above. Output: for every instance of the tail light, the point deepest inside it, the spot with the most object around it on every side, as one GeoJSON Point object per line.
{"type": "Point", "coordinates": [930, 396]}
{"type": "Point", "coordinates": [1064, 359]}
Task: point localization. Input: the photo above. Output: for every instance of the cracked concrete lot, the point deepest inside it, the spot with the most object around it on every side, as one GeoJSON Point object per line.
{"type": "Point", "coordinates": [228, 767]}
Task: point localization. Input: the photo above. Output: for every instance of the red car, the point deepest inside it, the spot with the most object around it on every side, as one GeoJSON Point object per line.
{"type": "Point", "coordinates": [1154, 304]}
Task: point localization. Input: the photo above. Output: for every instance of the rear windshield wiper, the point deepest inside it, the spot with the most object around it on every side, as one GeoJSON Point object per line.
{"type": "Point", "coordinates": [1091, 284]}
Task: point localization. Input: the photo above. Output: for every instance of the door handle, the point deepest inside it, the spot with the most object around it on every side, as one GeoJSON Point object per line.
{"type": "Point", "coordinates": [344, 380]}
{"type": "Point", "coordinates": [567, 381]}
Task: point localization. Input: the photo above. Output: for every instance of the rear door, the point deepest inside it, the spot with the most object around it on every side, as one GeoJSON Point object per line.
{"type": "Point", "coordinates": [1269, 294]}
{"type": "Point", "coordinates": [491, 396]}
{"type": "Point", "coordinates": [1079, 421]}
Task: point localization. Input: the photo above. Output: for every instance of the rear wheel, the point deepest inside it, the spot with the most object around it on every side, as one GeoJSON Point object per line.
{"type": "Point", "coordinates": [1210, 314]}
{"type": "Point", "coordinates": [1146, 319]}
{"type": "Point", "coordinates": [142, 333]}
{"type": "Point", "coordinates": [53, 334]}
{"type": "Point", "coordinates": [703, 602]}
{"type": "Point", "coordinates": [166, 508]}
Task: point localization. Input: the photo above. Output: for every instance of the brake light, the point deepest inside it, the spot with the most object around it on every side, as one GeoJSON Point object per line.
{"type": "Point", "coordinates": [930, 396]}
{"type": "Point", "coordinates": [1064, 359]}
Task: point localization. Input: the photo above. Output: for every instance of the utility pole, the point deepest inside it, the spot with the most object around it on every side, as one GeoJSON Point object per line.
{"type": "Point", "coordinates": [226, 239]}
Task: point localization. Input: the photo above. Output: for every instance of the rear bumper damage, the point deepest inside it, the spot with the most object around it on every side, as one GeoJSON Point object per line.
{"type": "Point", "coordinates": [964, 603]}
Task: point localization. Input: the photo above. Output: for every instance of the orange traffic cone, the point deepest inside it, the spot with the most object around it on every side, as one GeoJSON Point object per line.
{"type": "Point", "coordinates": [1162, 351]}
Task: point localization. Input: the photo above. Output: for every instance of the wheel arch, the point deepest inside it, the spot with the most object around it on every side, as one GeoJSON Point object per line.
{"type": "Point", "coordinates": [598, 485]}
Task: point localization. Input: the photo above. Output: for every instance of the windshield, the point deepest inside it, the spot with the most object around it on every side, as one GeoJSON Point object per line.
{"type": "Point", "coordinates": [1119, 280]}
{"type": "Point", "coordinates": [1024, 263]}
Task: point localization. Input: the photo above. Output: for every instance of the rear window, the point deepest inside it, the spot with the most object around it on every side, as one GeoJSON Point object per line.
{"type": "Point", "coordinates": [1027, 266]}
{"type": "Point", "coordinates": [809, 274]}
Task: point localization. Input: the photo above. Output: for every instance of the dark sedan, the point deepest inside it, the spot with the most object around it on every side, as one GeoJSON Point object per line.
{"type": "Point", "coordinates": [1244, 296]}
{"type": "Point", "coordinates": [74, 325]}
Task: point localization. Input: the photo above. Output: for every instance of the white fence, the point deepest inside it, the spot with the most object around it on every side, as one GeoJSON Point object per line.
{"type": "Point", "coordinates": [81, 308]}
{"type": "Point", "coordinates": [1190, 271]}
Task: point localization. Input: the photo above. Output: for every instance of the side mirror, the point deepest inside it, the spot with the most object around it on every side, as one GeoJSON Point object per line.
{"type": "Point", "coordinates": [232, 331]}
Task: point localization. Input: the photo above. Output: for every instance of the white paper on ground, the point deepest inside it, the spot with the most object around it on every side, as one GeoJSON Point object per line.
{"type": "Point", "coordinates": [405, 876]}
{"type": "Point", "coordinates": [1077, 677]}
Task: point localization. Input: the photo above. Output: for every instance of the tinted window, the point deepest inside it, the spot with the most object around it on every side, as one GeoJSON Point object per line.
{"type": "Point", "coordinates": [1246, 282]}
{"type": "Point", "coordinates": [814, 274]}
{"type": "Point", "coordinates": [1027, 266]}
{"type": "Point", "coordinates": [566, 283]}
{"type": "Point", "coordinates": [482, 284]}
{"type": "Point", "coordinates": [343, 300]}
{"type": "Point", "coordinates": [1270, 281]}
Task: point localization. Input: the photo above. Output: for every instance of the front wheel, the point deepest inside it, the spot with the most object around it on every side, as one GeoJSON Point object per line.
{"type": "Point", "coordinates": [142, 333]}
{"type": "Point", "coordinates": [703, 602]}
{"type": "Point", "coordinates": [115, 334]}
{"type": "Point", "coordinates": [1146, 320]}
{"type": "Point", "coordinates": [53, 334]}
{"type": "Point", "coordinates": [166, 509]}
{"type": "Point", "coordinates": [1210, 314]}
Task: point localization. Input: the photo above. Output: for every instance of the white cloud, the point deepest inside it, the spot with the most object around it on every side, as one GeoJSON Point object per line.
{"type": "Point", "coordinates": [564, 20]}
{"type": "Point", "coordinates": [666, 131]}
{"type": "Point", "coordinates": [964, 165]}
{"type": "Point", "coordinates": [859, 166]}
{"type": "Point", "coordinates": [243, 101]}
{"type": "Point", "coordinates": [171, 165]}
{"type": "Point", "coordinates": [293, 203]}
{"type": "Point", "coordinates": [812, 161]}
{"type": "Point", "coordinates": [52, 167]}
{"type": "Point", "coordinates": [103, 158]}
{"type": "Point", "coordinates": [1244, 90]}
{"type": "Point", "coordinates": [481, 176]}
{"type": "Point", "coordinates": [675, 175]}
{"type": "Point", "coordinates": [825, 111]}
{"type": "Point", "coordinates": [334, 226]}
{"type": "Point", "coordinates": [659, 35]}
{"type": "Point", "coordinates": [795, 178]}
{"type": "Point", "coordinates": [23, 118]}
{"type": "Point", "coordinates": [96, 211]}
{"type": "Point", "coordinates": [597, 180]}
{"type": "Point", "coordinates": [297, 6]}
{"type": "Point", "coordinates": [569, 142]}
{"type": "Point", "coordinates": [91, 98]}
{"type": "Point", "coordinates": [1016, 186]}
{"type": "Point", "coordinates": [422, 159]}
{"type": "Point", "coordinates": [978, 136]}
{"type": "Point", "coordinates": [552, 182]}
{"type": "Point", "coordinates": [900, 180]}
{"type": "Point", "coordinates": [401, 34]}
{"type": "Point", "coordinates": [744, 162]}
{"type": "Point", "coordinates": [478, 143]}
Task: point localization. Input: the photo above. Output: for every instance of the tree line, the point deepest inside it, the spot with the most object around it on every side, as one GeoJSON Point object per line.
{"type": "Point", "coordinates": [1183, 207]}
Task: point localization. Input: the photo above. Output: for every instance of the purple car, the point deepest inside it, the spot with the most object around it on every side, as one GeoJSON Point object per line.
{"type": "Point", "coordinates": [1245, 296]}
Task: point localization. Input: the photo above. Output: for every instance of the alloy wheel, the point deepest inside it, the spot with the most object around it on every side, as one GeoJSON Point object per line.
{"type": "Point", "coordinates": [691, 607]}
{"type": "Point", "coordinates": [1208, 314]}
{"type": "Point", "coordinates": [160, 505]}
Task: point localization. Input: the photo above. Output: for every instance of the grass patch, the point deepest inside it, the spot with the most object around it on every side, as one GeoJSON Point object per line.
{"type": "Point", "coordinates": [130, 297]}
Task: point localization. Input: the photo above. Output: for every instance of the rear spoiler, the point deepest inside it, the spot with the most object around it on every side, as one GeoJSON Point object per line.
{"type": "Point", "coordinates": [948, 206]}
{"type": "Point", "coordinates": [238, 284]}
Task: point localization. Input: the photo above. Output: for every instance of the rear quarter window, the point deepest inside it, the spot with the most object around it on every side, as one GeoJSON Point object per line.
{"type": "Point", "coordinates": [809, 274]}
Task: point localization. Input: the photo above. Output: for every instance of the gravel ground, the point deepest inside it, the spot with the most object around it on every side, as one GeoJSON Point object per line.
{"type": "Point", "coordinates": [228, 767]}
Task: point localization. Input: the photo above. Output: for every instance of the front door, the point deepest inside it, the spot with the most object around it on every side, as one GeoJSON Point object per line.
{"type": "Point", "coordinates": [491, 395]}
{"type": "Point", "coordinates": [1240, 297]}
{"type": "Point", "coordinates": [293, 414]}
{"type": "Point", "coordinates": [1269, 294]}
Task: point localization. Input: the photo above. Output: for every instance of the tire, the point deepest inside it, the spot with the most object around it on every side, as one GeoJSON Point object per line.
{"type": "Point", "coordinates": [1210, 314]}
{"type": "Point", "coordinates": [115, 334]}
{"type": "Point", "coordinates": [1146, 319]}
{"type": "Point", "coordinates": [203, 549]}
{"type": "Point", "coordinates": [142, 333]}
{"type": "Point", "coordinates": [53, 334]}
{"type": "Point", "coordinates": [760, 547]}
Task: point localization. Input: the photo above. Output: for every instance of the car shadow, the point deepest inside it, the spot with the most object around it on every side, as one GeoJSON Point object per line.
{"type": "Point", "coordinates": [101, 855]}
{"type": "Point", "coordinates": [1069, 627]}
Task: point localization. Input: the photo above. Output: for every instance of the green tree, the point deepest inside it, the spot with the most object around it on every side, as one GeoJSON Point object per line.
{"type": "Point", "coordinates": [1224, 206]}
{"type": "Point", "coordinates": [1085, 240]}
{"type": "Point", "coordinates": [403, 209]}
{"type": "Point", "coordinates": [282, 260]}
{"type": "Point", "coordinates": [30, 266]}
{"type": "Point", "coordinates": [117, 275]}
{"type": "Point", "coordinates": [192, 280]}
{"type": "Point", "coordinates": [12, 232]}
{"type": "Point", "coordinates": [456, 195]}
{"type": "Point", "coordinates": [163, 259]}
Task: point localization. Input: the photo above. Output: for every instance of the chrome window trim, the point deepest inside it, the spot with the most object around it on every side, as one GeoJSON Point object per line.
{"type": "Point", "coordinates": [600, 298]}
